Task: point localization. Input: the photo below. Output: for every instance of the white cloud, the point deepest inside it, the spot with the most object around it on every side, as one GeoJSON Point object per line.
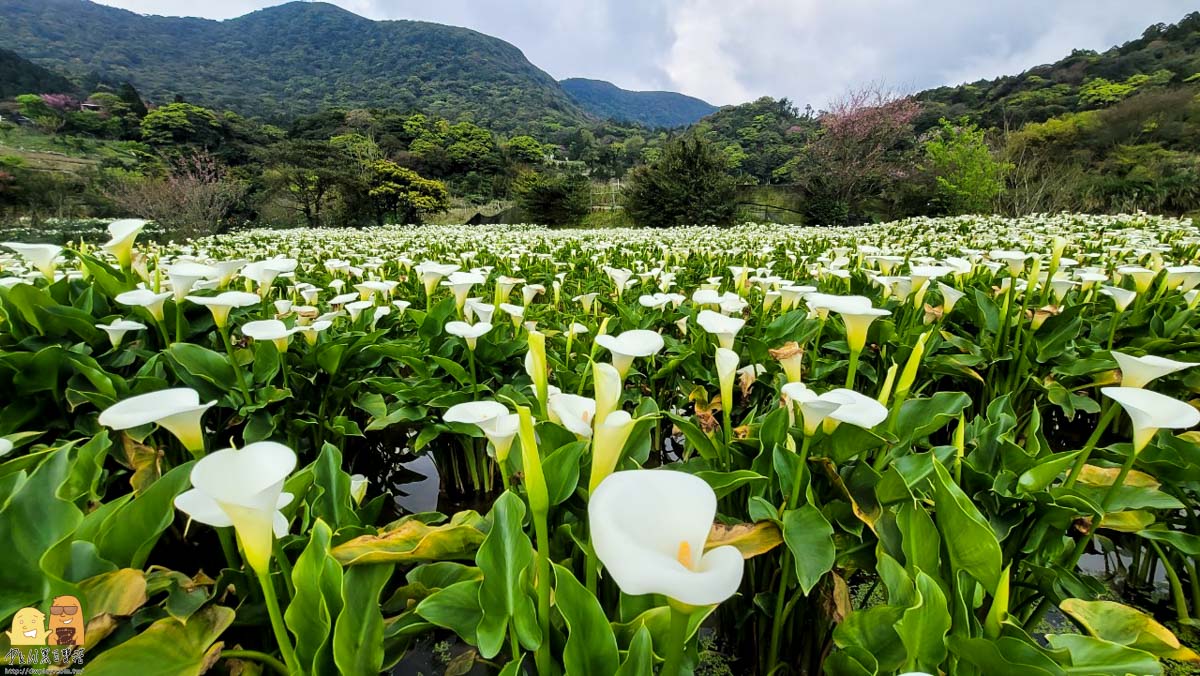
{"type": "Point", "coordinates": [728, 51]}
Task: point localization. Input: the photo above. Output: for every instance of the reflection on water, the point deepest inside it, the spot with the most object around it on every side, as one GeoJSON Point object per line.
{"type": "Point", "coordinates": [420, 492]}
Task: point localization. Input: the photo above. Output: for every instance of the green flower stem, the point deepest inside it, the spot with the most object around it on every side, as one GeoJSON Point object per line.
{"type": "Point", "coordinates": [1081, 546]}
{"type": "Point", "coordinates": [676, 642]}
{"type": "Point", "coordinates": [853, 369]}
{"type": "Point", "coordinates": [229, 548]}
{"type": "Point", "coordinates": [285, 569]}
{"type": "Point", "coordinates": [471, 362]}
{"type": "Point", "coordinates": [237, 368]}
{"type": "Point", "coordinates": [1177, 597]}
{"type": "Point", "coordinates": [178, 323]}
{"type": "Point", "coordinates": [277, 626]}
{"type": "Point", "coordinates": [780, 616]}
{"type": "Point", "coordinates": [1112, 328]}
{"type": "Point", "coordinates": [1090, 446]}
{"type": "Point", "coordinates": [816, 344]}
{"type": "Point", "coordinates": [543, 659]}
{"type": "Point", "coordinates": [257, 657]}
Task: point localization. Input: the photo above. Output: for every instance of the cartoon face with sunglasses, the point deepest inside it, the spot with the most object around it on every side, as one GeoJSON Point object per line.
{"type": "Point", "coordinates": [66, 621]}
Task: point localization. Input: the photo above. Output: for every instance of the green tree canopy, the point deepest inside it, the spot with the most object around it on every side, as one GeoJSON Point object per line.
{"type": "Point", "coordinates": [688, 184]}
{"type": "Point", "coordinates": [404, 194]}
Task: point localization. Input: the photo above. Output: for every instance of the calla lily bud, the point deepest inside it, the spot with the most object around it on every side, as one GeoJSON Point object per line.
{"type": "Point", "coordinates": [531, 461]}
{"type": "Point", "coordinates": [885, 392]}
{"type": "Point", "coordinates": [607, 445]}
{"type": "Point", "coordinates": [606, 382]}
{"type": "Point", "coordinates": [909, 375]}
{"type": "Point", "coordinates": [538, 369]}
{"type": "Point", "coordinates": [727, 363]}
{"type": "Point", "coordinates": [358, 487]}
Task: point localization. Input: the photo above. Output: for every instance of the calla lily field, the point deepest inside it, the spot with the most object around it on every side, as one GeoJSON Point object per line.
{"type": "Point", "coordinates": [958, 445]}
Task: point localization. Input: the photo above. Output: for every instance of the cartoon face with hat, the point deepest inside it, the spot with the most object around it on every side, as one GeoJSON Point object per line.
{"type": "Point", "coordinates": [66, 621]}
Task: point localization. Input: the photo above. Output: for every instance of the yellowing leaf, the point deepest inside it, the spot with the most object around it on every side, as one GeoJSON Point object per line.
{"type": "Point", "coordinates": [1105, 476]}
{"type": "Point", "coordinates": [1130, 521]}
{"type": "Point", "coordinates": [413, 540]}
{"type": "Point", "coordinates": [1129, 627]}
{"type": "Point", "coordinates": [120, 593]}
{"type": "Point", "coordinates": [751, 539]}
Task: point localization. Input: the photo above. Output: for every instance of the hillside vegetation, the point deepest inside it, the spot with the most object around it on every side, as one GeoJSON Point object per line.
{"type": "Point", "coordinates": [289, 60]}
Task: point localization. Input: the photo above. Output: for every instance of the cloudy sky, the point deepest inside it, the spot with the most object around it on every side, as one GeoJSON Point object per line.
{"type": "Point", "coordinates": [729, 51]}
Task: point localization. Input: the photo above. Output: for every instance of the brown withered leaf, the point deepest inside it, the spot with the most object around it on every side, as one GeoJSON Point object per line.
{"type": "Point", "coordinates": [751, 539]}
{"type": "Point", "coordinates": [146, 463]}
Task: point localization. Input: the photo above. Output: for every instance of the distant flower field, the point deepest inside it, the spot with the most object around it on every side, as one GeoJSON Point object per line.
{"type": "Point", "coordinates": [931, 446]}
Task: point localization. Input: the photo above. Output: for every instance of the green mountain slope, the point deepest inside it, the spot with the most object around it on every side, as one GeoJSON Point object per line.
{"type": "Point", "coordinates": [1165, 56]}
{"type": "Point", "coordinates": [653, 109]}
{"type": "Point", "coordinates": [21, 76]}
{"type": "Point", "coordinates": [290, 60]}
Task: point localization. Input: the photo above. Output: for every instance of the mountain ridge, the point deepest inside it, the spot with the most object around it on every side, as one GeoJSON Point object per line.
{"type": "Point", "coordinates": [651, 108]}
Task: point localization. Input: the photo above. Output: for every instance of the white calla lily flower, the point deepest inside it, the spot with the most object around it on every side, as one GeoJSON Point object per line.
{"type": "Point", "coordinates": [468, 332]}
{"type": "Point", "coordinates": [1150, 411]}
{"type": "Point", "coordinates": [116, 331]}
{"type": "Point", "coordinates": [44, 257]}
{"type": "Point", "coordinates": [246, 487]}
{"type": "Point", "coordinates": [723, 327]}
{"type": "Point", "coordinates": [122, 234]}
{"type": "Point", "coordinates": [269, 329]}
{"type": "Point", "coordinates": [629, 345]}
{"type": "Point", "coordinates": [664, 554]}
{"type": "Point", "coordinates": [221, 304]}
{"type": "Point", "coordinates": [1137, 371]}
{"type": "Point", "coordinates": [573, 412]}
{"type": "Point", "coordinates": [177, 410]}
{"type": "Point", "coordinates": [153, 302]}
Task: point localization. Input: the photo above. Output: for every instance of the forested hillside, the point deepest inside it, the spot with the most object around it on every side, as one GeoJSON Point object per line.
{"type": "Point", "coordinates": [291, 60]}
{"type": "Point", "coordinates": [1166, 55]}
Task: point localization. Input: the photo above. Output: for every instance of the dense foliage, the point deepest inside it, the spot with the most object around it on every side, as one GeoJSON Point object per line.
{"type": "Point", "coordinates": [688, 183]}
{"type": "Point", "coordinates": [20, 76]}
{"type": "Point", "coordinates": [867, 450]}
{"type": "Point", "coordinates": [652, 109]}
